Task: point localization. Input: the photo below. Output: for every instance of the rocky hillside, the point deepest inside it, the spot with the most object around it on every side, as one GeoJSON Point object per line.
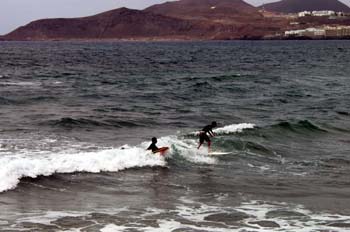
{"type": "Point", "coordinates": [184, 19]}
{"type": "Point", "coordinates": [116, 24]}
{"type": "Point", "coordinates": [294, 6]}
{"type": "Point", "coordinates": [206, 9]}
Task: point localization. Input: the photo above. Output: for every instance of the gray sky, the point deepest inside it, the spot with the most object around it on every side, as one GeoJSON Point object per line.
{"type": "Point", "coordinates": [15, 13]}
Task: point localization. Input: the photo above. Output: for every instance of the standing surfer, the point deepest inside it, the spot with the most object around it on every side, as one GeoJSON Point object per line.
{"type": "Point", "coordinates": [203, 135]}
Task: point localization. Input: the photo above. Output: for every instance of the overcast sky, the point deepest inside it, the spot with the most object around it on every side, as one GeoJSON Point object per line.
{"type": "Point", "coordinates": [15, 13]}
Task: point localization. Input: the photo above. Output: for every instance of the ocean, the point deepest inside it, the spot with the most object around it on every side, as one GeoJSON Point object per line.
{"type": "Point", "coordinates": [76, 118]}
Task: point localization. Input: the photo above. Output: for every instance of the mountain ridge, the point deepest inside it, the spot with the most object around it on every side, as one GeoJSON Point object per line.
{"type": "Point", "coordinates": [179, 20]}
{"type": "Point", "coordinates": [213, 19]}
{"type": "Point", "coordinates": [205, 9]}
{"type": "Point", "coordinates": [295, 6]}
{"type": "Point", "coordinates": [119, 23]}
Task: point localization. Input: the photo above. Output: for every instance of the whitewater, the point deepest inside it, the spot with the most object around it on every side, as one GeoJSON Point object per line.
{"type": "Point", "coordinates": [34, 164]}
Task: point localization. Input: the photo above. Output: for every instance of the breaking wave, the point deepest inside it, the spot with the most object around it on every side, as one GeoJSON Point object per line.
{"type": "Point", "coordinates": [113, 160]}
{"type": "Point", "coordinates": [39, 163]}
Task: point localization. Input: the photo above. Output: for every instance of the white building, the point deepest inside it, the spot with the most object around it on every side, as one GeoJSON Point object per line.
{"type": "Point", "coordinates": [317, 13]}
{"type": "Point", "coordinates": [308, 32]}
{"type": "Point", "coordinates": [293, 33]}
{"type": "Point", "coordinates": [323, 13]}
{"type": "Point", "coordinates": [316, 31]}
{"type": "Point", "coordinates": [304, 13]}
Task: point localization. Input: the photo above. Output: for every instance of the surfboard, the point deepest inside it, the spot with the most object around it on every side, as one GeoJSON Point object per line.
{"type": "Point", "coordinates": [218, 153]}
{"type": "Point", "coordinates": [161, 151]}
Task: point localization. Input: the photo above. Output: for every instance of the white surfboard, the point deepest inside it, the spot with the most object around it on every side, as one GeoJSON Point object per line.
{"type": "Point", "coordinates": [218, 153]}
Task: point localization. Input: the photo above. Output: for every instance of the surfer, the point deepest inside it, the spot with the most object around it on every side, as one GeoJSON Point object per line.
{"type": "Point", "coordinates": [153, 147]}
{"type": "Point", "coordinates": [203, 134]}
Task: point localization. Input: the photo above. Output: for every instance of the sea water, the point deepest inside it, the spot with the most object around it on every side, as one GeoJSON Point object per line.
{"type": "Point", "coordinates": [76, 118]}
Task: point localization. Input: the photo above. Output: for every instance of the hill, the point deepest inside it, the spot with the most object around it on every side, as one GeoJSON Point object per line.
{"type": "Point", "coordinates": [237, 19]}
{"type": "Point", "coordinates": [184, 19]}
{"type": "Point", "coordinates": [121, 23]}
{"type": "Point", "coordinates": [206, 9]}
{"type": "Point", "coordinates": [294, 6]}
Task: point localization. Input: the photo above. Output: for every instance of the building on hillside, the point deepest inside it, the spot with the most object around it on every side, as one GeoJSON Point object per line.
{"type": "Point", "coordinates": [325, 32]}
{"type": "Point", "coordinates": [321, 13]}
{"type": "Point", "coordinates": [308, 32]}
{"type": "Point", "coordinates": [340, 31]}
{"type": "Point", "coordinates": [340, 15]}
{"type": "Point", "coordinates": [293, 33]}
{"type": "Point", "coordinates": [304, 13]}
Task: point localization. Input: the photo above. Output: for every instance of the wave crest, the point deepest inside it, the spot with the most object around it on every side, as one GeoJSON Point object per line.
{"type": "Point", "coordinates": [300, 126]}
{"type": "Point", "coordinates": [234, 128]}
{"type": "Point", "coordinates": [113, 160]}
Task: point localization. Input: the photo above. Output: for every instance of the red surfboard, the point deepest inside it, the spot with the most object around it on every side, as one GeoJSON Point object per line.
{"type": "Point", "coordinates": [161, 150]}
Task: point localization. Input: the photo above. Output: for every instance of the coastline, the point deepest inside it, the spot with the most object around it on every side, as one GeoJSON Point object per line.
{"type": "Point", "coordinates": [277, 38]}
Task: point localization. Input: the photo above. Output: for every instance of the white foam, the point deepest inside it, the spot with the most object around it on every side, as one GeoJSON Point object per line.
{"type": "Point", "coordinates": [187, 149]}
{"type": "Point", "coordinates": [196, 213]}
{"type": "Point", "coordinates": [49, 216]}
{"type": "Point", "coordinates": [257, 211]}
{"type": "Point", "coordinates": [113, 228]}
{"type": "Point", "coordinates": [229, 129]}
{"type": "Point", "coordinates": [198, 156]}
{"type": "Point", "coordinates": [21, 83]}
{"type": "Point", "coordinates": [112, 160]}
{"type": "Point", "coordinates": [234, 128]}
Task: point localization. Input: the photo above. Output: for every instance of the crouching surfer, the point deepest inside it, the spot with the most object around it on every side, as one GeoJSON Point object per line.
{"type": "Point", "coordinates": [153, 147]}
{"type": "Point", "coordinates": [203, 135]}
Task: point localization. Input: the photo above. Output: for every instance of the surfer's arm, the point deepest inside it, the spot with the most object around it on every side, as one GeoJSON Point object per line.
{"type": "Point", "coordinates": [211, 133]}
{"type": "Point", "coordinates": [153, 147]}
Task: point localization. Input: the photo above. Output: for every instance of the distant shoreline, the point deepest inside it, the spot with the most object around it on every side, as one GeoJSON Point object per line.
{"type": "Point", "coordinates": [180, 40]}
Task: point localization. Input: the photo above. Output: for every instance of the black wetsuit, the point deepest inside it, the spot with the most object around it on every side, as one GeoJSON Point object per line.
{"type": "Point", "coordinates": [203, 135]}
{"type": "Point", "coordinates": [153, 147]}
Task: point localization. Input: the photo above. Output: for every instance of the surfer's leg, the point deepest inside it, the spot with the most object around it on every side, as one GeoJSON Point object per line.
{"type": "Point", "coordinates": [200, 144]}
{"type": "Point", "coordinates": [201, 140]}
{"type": "Point", "coordinates": [207, 139]}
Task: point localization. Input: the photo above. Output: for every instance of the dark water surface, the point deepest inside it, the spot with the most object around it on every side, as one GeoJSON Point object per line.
{"type": "Point", "coordinates": [75, 119]}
